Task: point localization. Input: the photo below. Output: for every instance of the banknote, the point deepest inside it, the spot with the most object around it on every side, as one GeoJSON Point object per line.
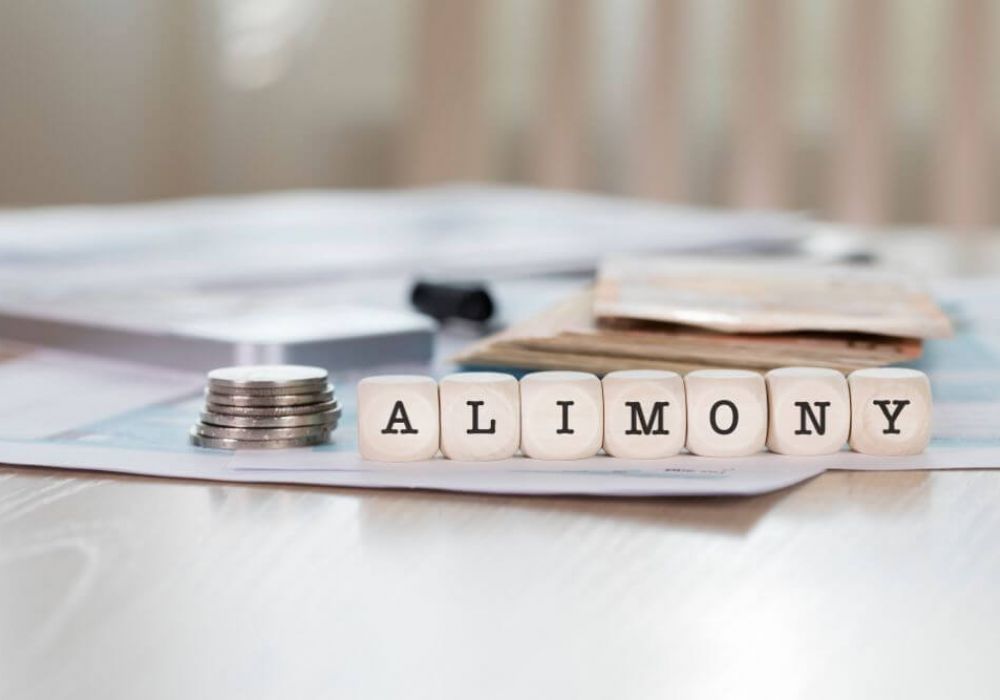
{"type": "Point", "coordinates": [756, 296]}
{"type": "Point", "coordinates": [569, 336]}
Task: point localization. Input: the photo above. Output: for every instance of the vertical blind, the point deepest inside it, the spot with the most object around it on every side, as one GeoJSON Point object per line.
{"type": "Point", "coordinates": [867, 111]}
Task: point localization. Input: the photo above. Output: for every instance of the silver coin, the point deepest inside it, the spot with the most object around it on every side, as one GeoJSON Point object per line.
{"type": "Point", "coordinates": [327, 418]}
{"type": "Point", "coordinates": [252, 434]}
{"type": "Point", "coordinates": [272, 411]}
{"type": "Point", "coordinates": [266, 376]}
{"type": "Point", "coordinates": [269, 391]}
{"type": "Point", "coordinates": [272, 400]}
{"type": "Point", "coordinates": [228, 444]}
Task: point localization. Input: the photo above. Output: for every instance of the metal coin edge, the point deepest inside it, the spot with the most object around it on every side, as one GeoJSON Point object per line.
{"type": "Point", "coordinates": [268, 400]}
{"type": "Point", "coordinates": [276, 390]}
{"type": "Point", "coordinates": [272, 411]}
{"type": "Point", "coordinates": [318, 375]}
{"type": "Point", "coordinates": [302, 420]}
{"type": "Point", "coordinates": [260, 434]}
{"type": "Point", "coordinates": [230, 444]}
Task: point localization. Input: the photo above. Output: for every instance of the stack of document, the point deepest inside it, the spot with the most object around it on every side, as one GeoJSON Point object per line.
{"type": "Point", "coordinates": [686, 313]}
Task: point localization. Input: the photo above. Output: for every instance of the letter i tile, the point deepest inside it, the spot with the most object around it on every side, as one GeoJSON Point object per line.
{"type": "Point", "coordinates": [562, 415]}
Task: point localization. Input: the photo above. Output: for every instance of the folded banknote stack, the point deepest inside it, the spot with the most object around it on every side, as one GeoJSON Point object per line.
{"type": "Point", "coordinates": [684, 314]}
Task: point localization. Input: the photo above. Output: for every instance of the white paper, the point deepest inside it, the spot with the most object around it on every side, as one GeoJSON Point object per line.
{"type": "Point", "coordinates": [47, 392]}
{"type": "Point", "coordinates": [120, 418]}
{"type": "Point", "coordinates": [594, 477]}
{"type": "Point", "coordinates": [231, 242]}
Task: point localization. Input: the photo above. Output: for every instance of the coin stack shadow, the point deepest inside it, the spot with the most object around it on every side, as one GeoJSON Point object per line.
{"type": "Point", "coordinates": [258, 415]}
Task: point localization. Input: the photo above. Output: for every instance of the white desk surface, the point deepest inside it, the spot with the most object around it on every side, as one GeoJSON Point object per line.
{"type": "Point", "coordinates": [851, 585]}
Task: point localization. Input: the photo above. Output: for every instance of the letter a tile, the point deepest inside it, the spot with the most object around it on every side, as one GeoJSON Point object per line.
{"type": "Point", "coordinates": [398, 418]}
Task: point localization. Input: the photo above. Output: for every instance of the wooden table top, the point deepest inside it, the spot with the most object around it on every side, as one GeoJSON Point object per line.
{"type": "Point", "coordinates": [850, 585]}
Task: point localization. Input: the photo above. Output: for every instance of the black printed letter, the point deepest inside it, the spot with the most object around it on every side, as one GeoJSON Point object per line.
{"type": "Point", "coordinates": [805, 410]}
{"type": "Point", "coordinates": [715, 408]}
{"type": "Point", "coordinates": [639, 420]}
{"type": "Point", "coordinates": [475, 429]}
{"type": "Point", "coordinates": [565, 429]}
{"type": "Point", "coordinates": [399, 416]}
{"type": "Point", "coordinates": [891, 417]}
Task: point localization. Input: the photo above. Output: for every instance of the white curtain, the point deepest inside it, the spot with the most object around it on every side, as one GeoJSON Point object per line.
{"type": "Point", "coordinates": [132, 99]}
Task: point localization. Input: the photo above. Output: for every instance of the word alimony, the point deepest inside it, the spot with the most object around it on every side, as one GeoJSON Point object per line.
{"type": "Point", "coordinates": [643, 414]}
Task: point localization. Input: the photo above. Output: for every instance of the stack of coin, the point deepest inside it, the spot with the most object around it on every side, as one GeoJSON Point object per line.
{"type": "Point", "coordinates": [260, 406]}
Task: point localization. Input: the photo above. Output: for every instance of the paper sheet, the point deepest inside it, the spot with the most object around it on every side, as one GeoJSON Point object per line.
{"type": "Point", "coordinates": [46, 392]}
{"type": "Point", "coordinates": [134, 420]}
{"type": "Point", "coordinates": [188, 259]}
{"type": "Point", "coordinates": [152, 440]}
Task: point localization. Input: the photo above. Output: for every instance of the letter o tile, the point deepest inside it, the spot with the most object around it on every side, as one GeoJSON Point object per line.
{"type": "Point", "coordinates": [562, 415]}
{"type": "Point", "coordinates": [726, 412]}
{"type": "Point", "coordinates": [398, 418]}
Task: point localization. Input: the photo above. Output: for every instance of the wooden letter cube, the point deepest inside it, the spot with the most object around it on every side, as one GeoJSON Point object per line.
{"type": "Point", "coordinates": [890, 411]}
{"type": "Point", "coordinates": [810, 410]}
{"type": "Point", "coordinates": [726, 412]}
{"type": "Point", "coordinates": [398, 418]}
{"type": "Point", "coordinates": [562, 415]}
{"type": "Point", "coordinates": [645, 414]}
{"type": "Point", "coordinates": [480, 416]}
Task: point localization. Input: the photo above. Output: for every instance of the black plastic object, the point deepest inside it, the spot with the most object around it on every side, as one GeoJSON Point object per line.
{"type": "Point", "coordinates": [471, 302]}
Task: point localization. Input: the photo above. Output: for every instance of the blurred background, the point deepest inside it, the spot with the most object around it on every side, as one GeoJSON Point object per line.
{"type": "Point", "coordinates": [870, 112]}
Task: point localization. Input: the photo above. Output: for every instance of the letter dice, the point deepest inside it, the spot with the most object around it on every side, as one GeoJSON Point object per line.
{"type": "Point", "coordinates": [645, 414]}
{"type": "Point", "coordinates": [562, 415]}
{"type": "Point", "coordinates": [810, 410]}
{"type": "Point", "coordinates": [890, 411]}
{"type": "Point", "coordinates": [726, 412]}
{"type": "Point", "coordinates": [398, 418]}
{"type": "Point", "coordinates": [480, 416]}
